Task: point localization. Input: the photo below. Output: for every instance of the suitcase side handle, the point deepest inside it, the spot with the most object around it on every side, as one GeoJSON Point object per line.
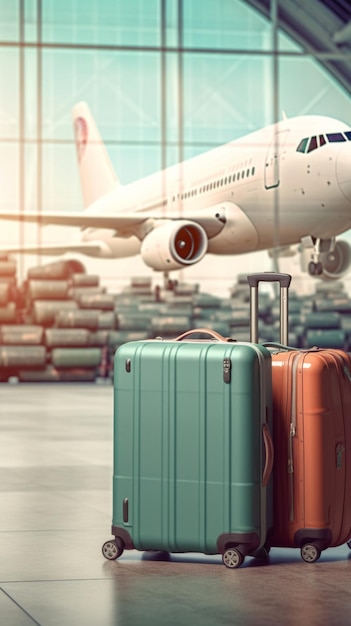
{"type": "Point", "coordinates": [268, 444]}
{"type": "Point", "coordinates": [278, 347]}
{"type": "Point", "coordinates": [208, 331]}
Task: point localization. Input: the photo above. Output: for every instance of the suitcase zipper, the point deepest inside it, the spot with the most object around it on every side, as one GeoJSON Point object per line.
{"type": "Point", "coordinates": [292, 434]}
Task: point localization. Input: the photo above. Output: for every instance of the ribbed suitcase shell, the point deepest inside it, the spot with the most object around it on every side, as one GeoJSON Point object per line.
{"type": "Point", "coordinates": [312, 437]}
{"type": "Point", "coordinates": [189, 456]}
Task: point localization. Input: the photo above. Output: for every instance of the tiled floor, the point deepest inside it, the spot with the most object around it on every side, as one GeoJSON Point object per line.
{"type": "Point", "coordinates": [55, 514]}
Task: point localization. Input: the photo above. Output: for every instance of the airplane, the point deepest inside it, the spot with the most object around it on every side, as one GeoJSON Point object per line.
{"type": "Point", "coordinates": [286, 184]}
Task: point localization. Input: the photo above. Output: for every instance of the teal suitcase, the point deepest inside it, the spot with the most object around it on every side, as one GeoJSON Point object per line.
{"type": "Point", "coordinates": [192, 447]}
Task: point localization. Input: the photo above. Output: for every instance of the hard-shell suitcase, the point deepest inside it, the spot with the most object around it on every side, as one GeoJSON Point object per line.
{"type": "Point", "coordinates": [312, 440]}
{"type": "Point", "coordinates": [192, 447]}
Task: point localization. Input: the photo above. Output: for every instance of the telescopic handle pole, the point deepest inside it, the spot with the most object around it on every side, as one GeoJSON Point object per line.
{"type": "Point", "coordinates": [284, 282]}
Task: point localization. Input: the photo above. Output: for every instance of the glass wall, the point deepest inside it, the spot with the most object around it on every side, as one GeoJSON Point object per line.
{"type": "Point", "coordinates": [165, 80]}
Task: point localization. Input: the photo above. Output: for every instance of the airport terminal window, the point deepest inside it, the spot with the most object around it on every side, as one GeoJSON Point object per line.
{"type": "Point", "coordinates": [9, 19]}
{"type": "Point", "coordinates": [158, 76]}
{"type": "Point", "coordinates": [218, 24]}
{"type": "Point", "coordinates": [136, 22]}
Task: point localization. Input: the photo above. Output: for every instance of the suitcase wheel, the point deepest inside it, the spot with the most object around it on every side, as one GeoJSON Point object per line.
{"type": "Point", "coordinates": [310, 553]}
{"type": "Point", "coordinates": [262, 553]}
{"type": "Point", "coordinates": [112, 549]}
{"type": "Point", "coordinates": [232, 558]}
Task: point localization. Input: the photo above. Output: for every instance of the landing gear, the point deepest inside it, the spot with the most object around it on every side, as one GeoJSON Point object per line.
{"type": "Point", "coordinates": [316, 254]}
{"type": "Point", "coordinates": [315, 269]}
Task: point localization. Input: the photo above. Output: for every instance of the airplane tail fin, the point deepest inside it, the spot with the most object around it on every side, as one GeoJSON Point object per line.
{"type": "Point", "coordinates": [97, 175]}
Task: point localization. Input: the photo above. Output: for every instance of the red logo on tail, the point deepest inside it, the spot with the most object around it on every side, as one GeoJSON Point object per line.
{"type": "Point", "coordinates": [81, 132]}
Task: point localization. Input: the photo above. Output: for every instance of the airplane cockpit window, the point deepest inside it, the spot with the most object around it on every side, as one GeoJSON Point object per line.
{"type": "Point", "coordinates": [302, 145]}
{"type": "Point", "coordinates": [307, 144]}
{"type": "Point", "coordinates": [335, 137]}
{"type": "Point", "coordinates": [313, 144]}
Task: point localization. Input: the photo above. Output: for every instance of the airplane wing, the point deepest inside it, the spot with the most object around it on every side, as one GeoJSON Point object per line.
{"type": "Point", "coordinates": [53, 249]}
{"type": "Point", "coordinates": [212, 219]}
{"type": "Point", "coordinates": [77, 218]}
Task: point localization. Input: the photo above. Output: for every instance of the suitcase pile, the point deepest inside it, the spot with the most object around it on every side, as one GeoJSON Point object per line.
{"type": "Point", "coordinates": [195, 466]}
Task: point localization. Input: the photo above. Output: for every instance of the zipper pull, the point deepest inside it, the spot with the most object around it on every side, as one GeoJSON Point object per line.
{"type": "Point", "coordinates": [340, 449]}
{"type": "Point", "coordinates": [290, 460]}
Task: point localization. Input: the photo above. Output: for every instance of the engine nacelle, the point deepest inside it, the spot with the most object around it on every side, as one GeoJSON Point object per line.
{"type": "Point", "coordinates": [173, 245]}
{"type": "Point", "coordinates": [337, 263]}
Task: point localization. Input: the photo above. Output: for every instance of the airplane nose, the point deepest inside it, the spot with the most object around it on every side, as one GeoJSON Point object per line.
{"type": "Point", "coordinates": [343, 172]}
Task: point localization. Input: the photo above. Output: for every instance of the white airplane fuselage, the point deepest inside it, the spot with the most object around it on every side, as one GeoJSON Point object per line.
{"type": "Point", "coordinates": [286, 184]}
{"type": "Point", "coordinates": [271, 193]}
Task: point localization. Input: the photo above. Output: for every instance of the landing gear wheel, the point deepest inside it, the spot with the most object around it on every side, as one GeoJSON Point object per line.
{"type": "Point", "coordinates": [315, 269]}
{"type": "Point", "coordinates": [232, 558]}
{"type": "Point", "coordinates": [112, 550]}
{"type": "Point", "coordinates": [310, 553]}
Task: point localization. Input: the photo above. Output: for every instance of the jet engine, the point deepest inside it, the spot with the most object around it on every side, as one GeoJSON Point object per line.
{"type": "Point", "coordinates": [337, 263]}
{"type": "Point", "coordinates": [173, 245]}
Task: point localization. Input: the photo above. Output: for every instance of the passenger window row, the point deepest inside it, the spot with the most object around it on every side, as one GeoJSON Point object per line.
{"type": "Point", "coordinates": [218, 183]}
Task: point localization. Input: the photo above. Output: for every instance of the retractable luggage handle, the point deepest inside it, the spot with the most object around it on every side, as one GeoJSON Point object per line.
{"type": "Point", "coordinates": [269, 277]}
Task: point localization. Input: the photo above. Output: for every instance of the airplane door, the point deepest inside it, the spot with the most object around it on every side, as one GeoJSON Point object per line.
{"type": "Point", "coordinates": [271, 172]}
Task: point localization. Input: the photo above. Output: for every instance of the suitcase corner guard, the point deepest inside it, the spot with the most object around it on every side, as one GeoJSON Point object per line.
{"type": "Point", "coordinates": [245, 542]}
{"type": "Point", "coordinates": [123, 534]}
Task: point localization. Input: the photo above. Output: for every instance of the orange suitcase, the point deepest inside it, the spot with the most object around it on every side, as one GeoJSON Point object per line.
{"type": "Point", "coordinates": [312, 439]}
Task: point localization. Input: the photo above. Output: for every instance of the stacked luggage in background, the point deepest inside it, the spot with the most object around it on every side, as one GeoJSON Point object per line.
{"type": "Point", "coordinates": [32, 345]}
{"type": "Point", "coordinates": [80, 324]}
{"type": "Point", "coordinates": [193, 452]}
{"type": "Point", "coordinates": [20, 345]}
